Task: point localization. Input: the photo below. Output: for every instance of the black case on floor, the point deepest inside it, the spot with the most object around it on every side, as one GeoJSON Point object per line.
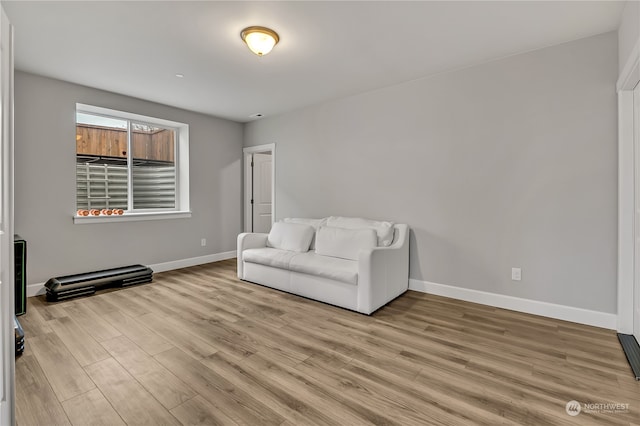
{"type": "Point", "coordinates": [17, 328]}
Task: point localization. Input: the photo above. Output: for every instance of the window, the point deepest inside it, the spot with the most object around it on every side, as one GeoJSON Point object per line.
{"type": "Point", "coordinates": [129, 166]}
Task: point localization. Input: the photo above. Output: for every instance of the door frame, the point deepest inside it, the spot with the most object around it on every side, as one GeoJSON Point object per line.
{"type": "Point", "coordinates": [629, 78]}
{"type": "Point", "coordinates": [248, 182]}
{"type": "Point", "coordinates": [7, 307]}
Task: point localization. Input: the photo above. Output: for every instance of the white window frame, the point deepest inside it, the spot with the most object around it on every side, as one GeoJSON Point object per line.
{"type": "Point", "coordinates": [181, 155]}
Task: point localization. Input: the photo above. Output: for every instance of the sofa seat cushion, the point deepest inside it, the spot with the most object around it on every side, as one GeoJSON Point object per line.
{"type": "Point", "coordinates": [269, 256]}
{"type": "Point", "coordinates": [333, 268]}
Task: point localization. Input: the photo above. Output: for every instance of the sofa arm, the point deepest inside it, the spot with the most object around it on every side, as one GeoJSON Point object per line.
{"type": "Point", "coordinates": [249, 240]}
{"type": "Point", "coordinates": [383, 272]}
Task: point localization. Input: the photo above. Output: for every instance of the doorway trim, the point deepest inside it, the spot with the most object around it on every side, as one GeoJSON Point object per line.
{"type": "Point", "coordinates": [248, 182]}
{"type": "Point", "coordinates": [629, 77]}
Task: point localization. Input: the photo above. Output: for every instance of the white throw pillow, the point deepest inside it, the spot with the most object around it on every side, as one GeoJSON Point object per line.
{"type": "Point", "coordinates": [344, 243]}
{"type": "Point", "coordinates": [384, 230]}
{"type": "Point", "coordinates": [290, 236]}
{"type": "Point", "coordinates": [316, 223]}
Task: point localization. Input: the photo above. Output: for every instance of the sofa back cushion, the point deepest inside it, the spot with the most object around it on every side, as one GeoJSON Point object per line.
{"type": "Point", "coordinates": [344, 243]}
{"type": "Point", "coordinates": [290, 236]}
{"type": "Point", "coordinates": [384, 230]}
{"type": "Point", "coordinates": [315, 223]}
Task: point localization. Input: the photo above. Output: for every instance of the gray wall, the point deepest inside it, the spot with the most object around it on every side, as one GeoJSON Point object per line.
{"type": "Point", "coordinates": [629, 32]}
{"type": "Point", "coordinates": [45, 186]}
{"type": "Point", "coordinates": [511, 163]}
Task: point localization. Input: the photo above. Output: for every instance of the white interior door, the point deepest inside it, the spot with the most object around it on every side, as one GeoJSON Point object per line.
{"type": "Point", "coordinates": [7, 354]}
{"type": "Point", "coordinates": [636, 281]}
{"type": "Point", "coordinates": [261, 206]}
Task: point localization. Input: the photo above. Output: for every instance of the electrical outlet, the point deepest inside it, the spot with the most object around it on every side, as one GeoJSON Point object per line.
{"type": "Point", "coordinates": [203, 242]}
{"type": "Point", "coordinates": [516, 274]}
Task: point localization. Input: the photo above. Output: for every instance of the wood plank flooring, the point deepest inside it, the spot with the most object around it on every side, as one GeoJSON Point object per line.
{"type": "Point", "coordinates": [199, 347]}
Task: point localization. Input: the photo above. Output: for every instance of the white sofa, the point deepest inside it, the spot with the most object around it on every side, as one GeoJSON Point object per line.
{"type": "Point", "coordinates": [353, 263]}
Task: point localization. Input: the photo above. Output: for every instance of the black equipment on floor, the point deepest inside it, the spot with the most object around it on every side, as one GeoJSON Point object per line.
{"type": "Point", "coordinates": [19, 333]}
{"type": "Point", "coordinates": [631, 351]}
{"type": "Point", "coordinates": [61, 288]}
{"type": "Point", "coordinates": [20, 274]}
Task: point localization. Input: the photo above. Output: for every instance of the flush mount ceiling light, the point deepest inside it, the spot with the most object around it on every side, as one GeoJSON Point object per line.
{"type": "Point", "coordinates": [260, 39]}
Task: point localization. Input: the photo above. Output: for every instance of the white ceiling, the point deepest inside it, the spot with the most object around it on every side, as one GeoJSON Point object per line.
{"type": "Point", "coordinates": [327, 49]}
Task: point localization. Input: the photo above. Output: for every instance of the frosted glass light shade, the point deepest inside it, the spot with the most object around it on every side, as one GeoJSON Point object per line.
{"type": "Point", "coordinates": [260, 40]}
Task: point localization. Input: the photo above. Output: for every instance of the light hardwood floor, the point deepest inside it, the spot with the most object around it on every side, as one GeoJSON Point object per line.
{"type": "Point", "coordinates": [198, 346]}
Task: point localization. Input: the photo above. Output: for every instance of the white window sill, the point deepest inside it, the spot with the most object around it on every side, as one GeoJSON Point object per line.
{"type": "Point", "coordinates": [131, 217]}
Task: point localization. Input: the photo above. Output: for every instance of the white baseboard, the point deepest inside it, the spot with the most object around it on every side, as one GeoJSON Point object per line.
{"type": "Point", "coordinates": [193, 261]}
{"type": "Point", "coordinates": [35, 289]}
{"type": "Point", "coordinates": [38, 288]}
{"type": "Point", "coordinates": [551, 310]}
